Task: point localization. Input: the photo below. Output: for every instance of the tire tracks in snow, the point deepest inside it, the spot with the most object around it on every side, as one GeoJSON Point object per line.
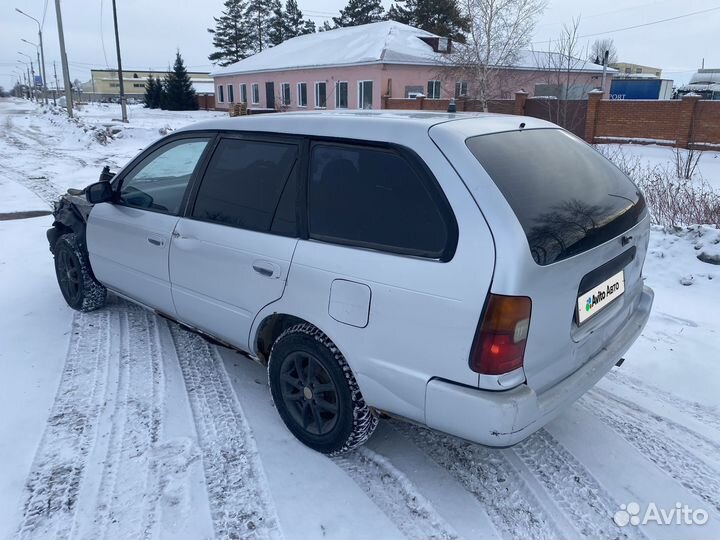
{"type": "Point", "coordinates": [705, 415]}
{"type": "Point", "coordinates": [571, 487]}
{"type": "Point", "coordinates": [654, 436]}
{"type": "Point", "coordinates": [395, 495]}
{"type": "Point", "coordinates": [240, 503]}
{"type": "Point", "coordinates": [55, 476]}
{"type": "Point", "coordinates": [489, 476]}
{"type": "Point", "coordinates": [130, 467]}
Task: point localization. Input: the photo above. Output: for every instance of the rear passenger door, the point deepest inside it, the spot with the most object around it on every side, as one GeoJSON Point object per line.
{"type": "Point", "coordinates": [230, 254]}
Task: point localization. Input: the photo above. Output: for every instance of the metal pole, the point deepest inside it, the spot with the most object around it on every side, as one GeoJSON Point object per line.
{"type": "Point", "coordinates": [41, 67]}
{"type": "Point", "coordinates": [57, 86]}
{"type": "Point", "coordinates": [63, 59]}
{"type": "Point", "coordinates": [42, 57]}
{"type": "Point", "coordinates": [120, 71]}
{"type": "Point", "coordinates": [605, 63]}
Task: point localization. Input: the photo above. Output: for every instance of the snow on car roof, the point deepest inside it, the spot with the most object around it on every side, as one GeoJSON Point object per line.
{"type": "Point", "coordinates": [386, 42]}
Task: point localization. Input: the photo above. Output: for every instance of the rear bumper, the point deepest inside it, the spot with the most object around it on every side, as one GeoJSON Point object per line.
{"type": "Point", "coordinates": [506, 418]}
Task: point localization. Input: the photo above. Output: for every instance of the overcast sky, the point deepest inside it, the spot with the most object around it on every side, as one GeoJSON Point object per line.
{"type": "Point", "coordinates": [151, 31]}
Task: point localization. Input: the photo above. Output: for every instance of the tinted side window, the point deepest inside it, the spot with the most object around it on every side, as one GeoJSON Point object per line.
{"type": "Point", "coordinates": [373, 197]}
{"type": "Point", "coordinates": [243, 183]}
{"type": "Point", "coordinates": [158, 182]}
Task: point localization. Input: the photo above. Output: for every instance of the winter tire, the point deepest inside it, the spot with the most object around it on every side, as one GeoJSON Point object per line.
{"type": "Point", "coordinates": [78, 286]}
{"type": "Point", "coordinates": [315, 392]}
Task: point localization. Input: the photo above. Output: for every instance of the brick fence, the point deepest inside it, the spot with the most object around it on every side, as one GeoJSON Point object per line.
{"type": "Point", "coordinates": [682, 122]}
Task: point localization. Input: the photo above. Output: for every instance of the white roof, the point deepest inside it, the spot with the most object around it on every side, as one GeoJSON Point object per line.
{"type": "Point", "coordinates": [204, 86]}
{"type": "Point", "coordinates": [386, 42]}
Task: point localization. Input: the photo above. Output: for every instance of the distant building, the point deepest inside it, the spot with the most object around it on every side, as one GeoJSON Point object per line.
{"type": "Point", "coordinates": [626, 68]}
{"type": "Point", "coordinates": [640, 88]}
{"type": "Point", "coordinates": [104, 83]}
{"type": "Point", "coordinates": [357, 67]}
{"type": "Point", "coordinates": [705, 82]}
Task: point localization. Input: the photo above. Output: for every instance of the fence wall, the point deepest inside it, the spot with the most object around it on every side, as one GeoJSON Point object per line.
{"type": "Point", "coordinates": [681, 122]}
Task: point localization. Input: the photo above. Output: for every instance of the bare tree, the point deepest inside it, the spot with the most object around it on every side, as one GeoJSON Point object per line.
{"type": "Point", "coordinates": [499, 30]}
{"type": "Point", "coordinates": [598, 48]}
{"type": "Point", "coordinates": [565, 80]}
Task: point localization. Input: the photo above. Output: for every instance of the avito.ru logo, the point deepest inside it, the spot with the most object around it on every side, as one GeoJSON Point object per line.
{"type": "Point", "coordinates": [631, 514]}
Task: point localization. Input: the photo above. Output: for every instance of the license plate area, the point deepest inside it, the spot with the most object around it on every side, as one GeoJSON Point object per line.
{"type": "Point", "coordinates": [594, 300]}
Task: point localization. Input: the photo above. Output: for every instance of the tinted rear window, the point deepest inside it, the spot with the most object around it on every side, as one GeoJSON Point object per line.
{"type": "Point", "coordinates": [566, 196]}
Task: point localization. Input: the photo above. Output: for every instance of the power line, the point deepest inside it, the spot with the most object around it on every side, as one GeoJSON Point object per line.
{"type": "Point", "coordinates": [42, 24]}
{"type": "Point", "coordinates": [102, 37]}
{"type": "Point", "coordinates": [651, 23]}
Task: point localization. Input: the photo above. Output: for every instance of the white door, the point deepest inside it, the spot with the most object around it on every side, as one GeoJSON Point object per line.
{"type": "Point", "coordinates": [129, 240]}
{"type": "Point", "coordinates": [231, 255]}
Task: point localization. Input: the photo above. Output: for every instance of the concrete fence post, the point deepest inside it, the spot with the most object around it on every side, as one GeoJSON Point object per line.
{"type": "Point", "coordinates": [519, 105]}
{"type": "Point", "coordinates": [686, 117]}
{"type": "Point", "coordinates": [591, 116]}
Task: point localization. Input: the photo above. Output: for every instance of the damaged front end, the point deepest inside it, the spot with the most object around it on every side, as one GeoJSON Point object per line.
{"type": "Point", "coordinates": [71, 212]}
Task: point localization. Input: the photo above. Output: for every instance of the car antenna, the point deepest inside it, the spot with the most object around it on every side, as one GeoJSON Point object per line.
{"type": "Point", "coordinates": [522, 125]}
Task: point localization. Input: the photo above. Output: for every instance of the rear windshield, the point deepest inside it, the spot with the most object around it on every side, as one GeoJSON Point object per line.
{"type": "Point", "coordinates": [566, 196]}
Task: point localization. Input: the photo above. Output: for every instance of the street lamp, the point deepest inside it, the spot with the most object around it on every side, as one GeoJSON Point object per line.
{"type": "Point", "coordinates": [32, 72]}
{"type": "Point", "coordinates": [37, 52]}
{"type": "Point", "coordinates": [42, 52]}
{"type": "Point", "coordinates": [27, 75]}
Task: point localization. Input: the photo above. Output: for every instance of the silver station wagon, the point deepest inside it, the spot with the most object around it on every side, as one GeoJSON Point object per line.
{"type": "Point", "coordinates": [472, 273]}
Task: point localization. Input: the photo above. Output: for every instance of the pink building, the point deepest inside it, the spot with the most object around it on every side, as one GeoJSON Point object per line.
{"type": "Point", "coordinates": [355, 67]}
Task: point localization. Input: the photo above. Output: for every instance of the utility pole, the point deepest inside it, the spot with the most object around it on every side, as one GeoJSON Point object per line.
{"type": "Point", "coordinates": [32, 70]}
{"type": "Point", "coordinates": [42, 53]}
{"type": "Point", "coordinates": [605, 65]}
{"type": "Point", "coordinates": [37, 52]}
{"type": "Point", "coordinates": [57, 86]}
{"type": "Point", "coordinates": [63, 59]}
{"type": "Point", "coordinates": [120, 71]}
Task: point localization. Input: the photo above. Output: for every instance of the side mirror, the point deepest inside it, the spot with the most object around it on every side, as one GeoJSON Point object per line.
{"type": "Point", "coordinates": [99, 192]}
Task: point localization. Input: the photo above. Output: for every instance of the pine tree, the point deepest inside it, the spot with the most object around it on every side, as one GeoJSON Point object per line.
{"type": "Point", "coordinates": [441, 17]}
{"type": "Point", "coordinates": [358, 12]}
{"type": "Point", "coordinates": [258, 16]}
{"type": "Point", "coordinates": [326, 26]}
{"type": "Point", "coordinates": [159, 94]}
{"type": "Point", "coordinates": [231, 34]}
{"type": "Point", "coordinates": [150, 93]}
{"type": "Point", "coordinates": [295, 24]}
{"type": "Point", "coordinates": [277, 24]}
{"type": "Point", "coordinates": [180, 95]}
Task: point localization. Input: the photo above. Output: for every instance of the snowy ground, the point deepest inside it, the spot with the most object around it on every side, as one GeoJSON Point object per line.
{"type": "Point", "coordinates": [117, 424]}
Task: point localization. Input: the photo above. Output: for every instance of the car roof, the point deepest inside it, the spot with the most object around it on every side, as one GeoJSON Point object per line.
{"type": "Point", "coordinates": [364, 124]}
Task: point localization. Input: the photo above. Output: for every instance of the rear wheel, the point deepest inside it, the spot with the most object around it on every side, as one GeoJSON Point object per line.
{"type": "Point", "coordinates": [78, 286]}
{"type": "Point", "coordinates": [316, 393]}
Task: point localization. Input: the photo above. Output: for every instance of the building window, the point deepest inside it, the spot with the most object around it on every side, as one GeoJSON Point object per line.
{"type": "Point", "coordinates": [365, 91]}
{"type": "Point", "coordinates": [341, 95]}
{"type": "Point", "coordinates": [138, 85]}
{"type": "Point", "coordinates": [638, 70]}
{"type": "Point", "coordinates": [221, 94]}
{"type": "Point", "coordinates": [243, 93]}
{"type": "Point", "coordinates": [460, 89]}
{"type": "Point", "coordinates": [302, 94]}
{"type": "Point", "coordinates": [285, 94]}
{"type": "Point", "coordinates": [231, 93]}
{"type": "Point", "coordinates": [320, 95]}
{"type": "Point", "coordinates": [433, 90]}
{"type": "Point", "coordinates": [628, 70]}
{"type": "Point", "coordinates": [256, 94]}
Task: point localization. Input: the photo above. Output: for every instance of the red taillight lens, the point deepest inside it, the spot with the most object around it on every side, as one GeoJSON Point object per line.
{"type": "Point", "coordinates": [501, 336]}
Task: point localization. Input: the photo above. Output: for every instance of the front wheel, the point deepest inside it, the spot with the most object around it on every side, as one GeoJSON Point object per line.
{"type": "Point", "coordinates": [316, 393]}
{"type": "Point", "coordinates": [78, 286]}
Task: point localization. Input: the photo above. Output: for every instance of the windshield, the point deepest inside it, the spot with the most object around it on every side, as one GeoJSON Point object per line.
{"type": "Point", "coordinates": [566, 196]}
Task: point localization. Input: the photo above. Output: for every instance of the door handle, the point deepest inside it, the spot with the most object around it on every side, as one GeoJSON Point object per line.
{"type": "Point", "coordinates": [267, 269]}
{"type": "Point", "coordinates": [156, 241]}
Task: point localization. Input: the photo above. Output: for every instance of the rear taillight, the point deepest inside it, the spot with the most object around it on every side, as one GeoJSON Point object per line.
{"type": "Point", "coordinates": [501, 336]}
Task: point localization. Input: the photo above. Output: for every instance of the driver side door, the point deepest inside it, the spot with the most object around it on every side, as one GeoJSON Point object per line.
{"type": "Point", "coordinates": [128, 240]}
